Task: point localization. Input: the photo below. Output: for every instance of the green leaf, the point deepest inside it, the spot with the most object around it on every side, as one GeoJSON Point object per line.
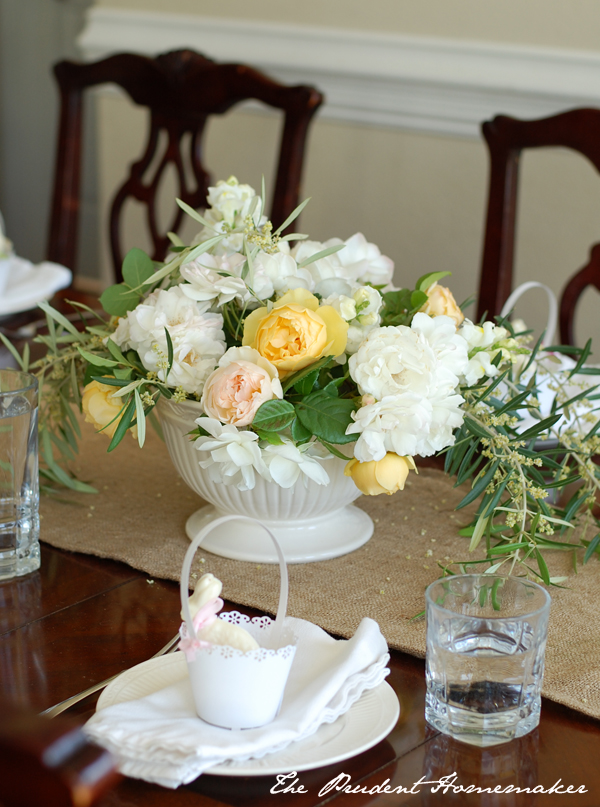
{"type": "Point", "coordinates": [274, 416]}
{"type": "Point", "coordinates": [489, 510]}
{"type": "Point", "coordinates": [333, 450]}
{"type": "Point", "coordinates": [299, 433]}
{"type": "Point", "coordinates": [117, 300]}
{"type": "Point", "coordinates": [417, 299]}
{"type": "Point", "coordinates": [97, 361]}
{"type": "Point", "coordinates": [582, 359]}
{"type": "Point", "coordinates": [140, 418]}
{"type": "Point", "coordinates": [169, 353]}
{"type": "Point", "coordinates": [327, 418]}
{"type": "Point", "coordinates": [68, 326]}
{"type": "Point", "coordinates": [506, 549]}
{"type": "Point", "coordinates": [292, 217]}
{"type": "Point", "coordinates": [542, 426]}
{"type": "Point", "coordinates": [321, 254]}
{"type": "Point", "coordinates": [115, 352]}
{"type": "Point", "coordinates": [482, 522]}
{"type": "Point", "coordinates": [293, 379]}
{"type": "Point", "coordinates": [591, 548]}
{"type": "Point", "coordinates": [304, 386]}
{"type": "Point", "coordinates": [545, 574]}
{"type": "Point", "coordinates": [271, 437]}
{"type": "Point", "coordinates": [110, 382]}
{"type": "Point", "coordinates": [194, 215]}
{"type": "Point", "coordinates": [479, 486]}
{"type": "Point", "coordinates": [425, 281]}
{"type": "Point", "coordinates": [12, 350]}
{"type": "Point", "coordinates": [124, 423]}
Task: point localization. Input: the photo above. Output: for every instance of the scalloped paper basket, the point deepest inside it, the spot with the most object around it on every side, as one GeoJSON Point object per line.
{"type": "Point", "coordinates": [232, 689]}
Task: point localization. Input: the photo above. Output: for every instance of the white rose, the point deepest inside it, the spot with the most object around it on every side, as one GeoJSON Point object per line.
{"type": "Point", "coordinates": [230, 202]}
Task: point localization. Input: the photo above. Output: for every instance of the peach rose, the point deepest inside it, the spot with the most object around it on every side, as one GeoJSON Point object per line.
{"type": "Point", "coordinates": [382, 476]}
{"type": "Point", "coordinates": [240, 384]}
{"type": "Point", "coordinates": [440, 300]}
{"type": "Point", "coordinates": [296, 332]}
{"type": "Point", "coordinates": [100, 408]}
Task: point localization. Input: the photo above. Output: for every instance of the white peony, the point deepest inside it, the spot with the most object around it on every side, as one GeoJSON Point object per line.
{"type": "Point", "coordinates": [287, 463]}
{"type": "Point", "coordinates": [233, 455]}
{"type": "Point", "coordinates": [197, 337]}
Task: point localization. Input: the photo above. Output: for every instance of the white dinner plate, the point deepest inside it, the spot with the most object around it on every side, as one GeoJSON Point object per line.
{"type": "Point", "coordinates": [28, 285]}
{"type": "Point", "coordinates": [365, 724]}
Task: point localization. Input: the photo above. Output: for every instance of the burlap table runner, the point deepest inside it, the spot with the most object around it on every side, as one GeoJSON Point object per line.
{"type": "Point", "coordinates": [139, 517]}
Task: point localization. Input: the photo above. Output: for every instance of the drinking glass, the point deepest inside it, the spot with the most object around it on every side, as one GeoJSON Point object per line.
{"type": "Point", "coordinates": [486, 637]}
{"type": "Point", "coordinates": [19, 489]}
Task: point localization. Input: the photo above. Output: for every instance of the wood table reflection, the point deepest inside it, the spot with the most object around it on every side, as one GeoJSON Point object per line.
{"type": "Point", "coordinates": [81, 619]}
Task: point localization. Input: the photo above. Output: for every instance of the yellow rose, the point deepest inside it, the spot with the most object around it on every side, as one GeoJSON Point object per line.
{"type": "Point", "coordinates": [296, 332]}
{"type": "Point", "coordinates": [382, 476]}
{"type": "Point", "coordinates": [100, 408]}
{"type": "Point", "coordinates": [440, 300]}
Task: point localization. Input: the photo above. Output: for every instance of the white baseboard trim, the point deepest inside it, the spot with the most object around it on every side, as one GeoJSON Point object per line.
{"type": "Point", "coordinates": [438, 86]}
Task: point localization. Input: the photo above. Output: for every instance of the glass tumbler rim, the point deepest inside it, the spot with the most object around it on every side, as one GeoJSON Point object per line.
{"type": "Point", "coordinates": [544, 607]}
{"type": "Point", "coordinates": [32, 384]}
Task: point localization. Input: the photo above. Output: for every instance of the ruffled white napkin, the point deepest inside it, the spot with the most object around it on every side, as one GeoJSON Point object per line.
{"type": "Point", "coordinates": [160, 739]}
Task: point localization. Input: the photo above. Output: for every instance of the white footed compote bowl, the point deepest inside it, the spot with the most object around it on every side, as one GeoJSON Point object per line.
{"type": "Point", "coordinates": [311, 522]}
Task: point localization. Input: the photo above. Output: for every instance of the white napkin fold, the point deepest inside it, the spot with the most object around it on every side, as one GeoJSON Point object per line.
{"type": "Point", "coordinates": [160, 739]}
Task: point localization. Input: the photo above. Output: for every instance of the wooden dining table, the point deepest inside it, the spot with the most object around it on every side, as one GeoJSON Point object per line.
{"type": "Point", "coordinates": [80, 619]}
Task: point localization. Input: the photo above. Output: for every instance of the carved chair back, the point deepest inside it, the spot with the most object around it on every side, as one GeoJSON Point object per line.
{"type": "Point", "coordinates": [578, 129]}
{"type": "Point", "coordinates": [181, 89]}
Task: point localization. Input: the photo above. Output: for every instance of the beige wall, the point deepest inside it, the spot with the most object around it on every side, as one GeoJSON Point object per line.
{"type": "Point", "coordinates": [560, 23]}
{"type": "Point", "coordinates": [421, 198]}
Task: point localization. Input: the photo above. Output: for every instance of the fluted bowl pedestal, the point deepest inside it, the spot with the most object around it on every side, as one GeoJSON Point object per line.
{"type": "Point", "coordinates": [312, 522]}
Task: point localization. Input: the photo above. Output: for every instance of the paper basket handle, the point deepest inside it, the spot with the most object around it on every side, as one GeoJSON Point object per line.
{"type": "Point", "coordinates": [187, 566]}
{"type": "Point", "coordinates": [552, 307]}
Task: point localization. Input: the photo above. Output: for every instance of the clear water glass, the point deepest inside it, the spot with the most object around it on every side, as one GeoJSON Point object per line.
{"type": "Point", "coordinates": [486, 638]}
{"type": "Point", "coordinates": [19, 486]}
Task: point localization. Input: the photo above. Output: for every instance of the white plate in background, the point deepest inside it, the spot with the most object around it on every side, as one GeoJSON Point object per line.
{"type": "Point", "coordinates": [28, 285]}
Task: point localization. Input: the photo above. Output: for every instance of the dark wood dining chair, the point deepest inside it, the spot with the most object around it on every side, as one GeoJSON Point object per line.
{"type": "Point", "coordinates": [181, 89]}
{"type": "Point", "coordinates": [578, 129]}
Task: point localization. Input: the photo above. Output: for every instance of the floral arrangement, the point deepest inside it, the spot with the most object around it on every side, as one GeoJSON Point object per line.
{"type": "Point", "coordinates": [298, 351]}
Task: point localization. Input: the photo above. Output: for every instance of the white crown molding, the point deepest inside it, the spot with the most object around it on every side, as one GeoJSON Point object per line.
{"type": "Point", "coordinates": [439, 86]}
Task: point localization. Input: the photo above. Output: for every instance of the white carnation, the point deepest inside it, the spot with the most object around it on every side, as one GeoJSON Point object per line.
{"type": "Point", "coordinates": [413, 375]}
{"type": "Point", "coordinates": [197, 337]}
{"type": "Point", "coordinates": [232, 456]}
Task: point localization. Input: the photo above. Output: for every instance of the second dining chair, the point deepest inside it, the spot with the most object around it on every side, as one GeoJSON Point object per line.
{"type": "Point", "coordinates": [506, 137]}
{"type": "Point", "coordinates": [181, 89]}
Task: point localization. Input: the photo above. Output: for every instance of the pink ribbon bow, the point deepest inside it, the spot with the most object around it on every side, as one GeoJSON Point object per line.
{"type": "Point", "coordinates": [204, 617]}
